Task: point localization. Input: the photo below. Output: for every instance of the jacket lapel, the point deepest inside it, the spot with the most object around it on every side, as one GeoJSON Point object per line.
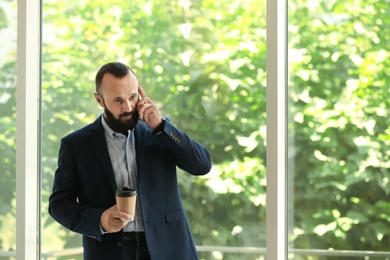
{"type": "Point", "coordinates": [99, 144]}
{"type": "Point", "coordinates": [140, 139]}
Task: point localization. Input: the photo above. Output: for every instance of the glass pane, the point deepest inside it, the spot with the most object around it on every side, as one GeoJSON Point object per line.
{"type": "Point", "coordinates": [339, 133]}
{"type": "Point", "coordinates": [204, 63]}
{"type": "Point", "coordinates": [8, 31]}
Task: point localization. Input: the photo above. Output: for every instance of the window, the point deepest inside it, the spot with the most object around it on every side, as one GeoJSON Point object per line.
{"type": "Point", "coordinates": [205, 65]}
{"type": "Point", "coordinates": [338, 129]}
{"type": "Point", "coordinates": [7, 126]}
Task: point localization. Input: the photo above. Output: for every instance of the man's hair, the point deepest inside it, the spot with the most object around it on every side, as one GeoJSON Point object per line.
{"type": "Point", "coordinates": [117, 69]}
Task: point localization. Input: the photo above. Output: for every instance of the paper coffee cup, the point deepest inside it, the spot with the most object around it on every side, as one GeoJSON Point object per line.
{"type": "Point", "coordinates": [126, 200]}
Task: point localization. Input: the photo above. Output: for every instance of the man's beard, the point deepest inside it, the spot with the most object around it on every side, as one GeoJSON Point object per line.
{"type": "Point", "coordinates": [120, 125]}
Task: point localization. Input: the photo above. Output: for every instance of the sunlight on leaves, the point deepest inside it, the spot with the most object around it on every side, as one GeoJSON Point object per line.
{"type": "Point", "coordinates": [322, 229]}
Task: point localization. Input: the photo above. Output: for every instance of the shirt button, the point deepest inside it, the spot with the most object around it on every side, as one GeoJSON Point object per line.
{"type": "Point", "coordinates": [119, 244]}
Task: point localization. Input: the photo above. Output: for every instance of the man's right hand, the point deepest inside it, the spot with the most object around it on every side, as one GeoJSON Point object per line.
{"type": "Point", "coordinates": [112, 220]}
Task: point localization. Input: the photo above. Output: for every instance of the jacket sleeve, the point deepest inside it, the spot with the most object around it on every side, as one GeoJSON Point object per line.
{"type": "Point", "coordinates": [64, 204]}
{"type": "Point", "coordinates": [191, 156]}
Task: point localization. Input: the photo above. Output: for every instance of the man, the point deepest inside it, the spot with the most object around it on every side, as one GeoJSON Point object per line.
{"type": "Point", "coordinates": [130, 145]}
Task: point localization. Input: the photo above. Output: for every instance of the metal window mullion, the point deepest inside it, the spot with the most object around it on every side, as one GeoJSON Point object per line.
{"type": "Point", "coordinates": [27, 147]}
{"type": "Point", "coordinates": [276, 130]}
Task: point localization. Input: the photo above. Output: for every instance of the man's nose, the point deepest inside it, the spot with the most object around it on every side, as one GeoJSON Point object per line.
{"type": "Point", "coordinates": [127, 106]}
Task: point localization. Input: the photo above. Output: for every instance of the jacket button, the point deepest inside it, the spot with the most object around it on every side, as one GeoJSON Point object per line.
{"type": "Point", "coordinates": [119, 244]}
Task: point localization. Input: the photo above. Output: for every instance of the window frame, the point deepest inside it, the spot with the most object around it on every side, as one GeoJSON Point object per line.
{"type": "Point", "coordinates": [27, 129]}
{"type": "Point", "coordinates": [276, 226]}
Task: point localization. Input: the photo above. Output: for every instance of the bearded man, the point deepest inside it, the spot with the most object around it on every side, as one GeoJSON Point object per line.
{"type": "Point", "coordinates": [129, 146]}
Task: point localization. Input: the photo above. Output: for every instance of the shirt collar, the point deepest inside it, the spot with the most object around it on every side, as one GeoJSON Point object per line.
{"type": "Point", "coordinates": [107, 129]}
{"type": "Point", "coordinates": [111, 133]}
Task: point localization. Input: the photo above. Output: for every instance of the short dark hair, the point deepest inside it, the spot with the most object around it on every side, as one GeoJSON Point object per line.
{"type": "Point", "coordinates": [117, 69]}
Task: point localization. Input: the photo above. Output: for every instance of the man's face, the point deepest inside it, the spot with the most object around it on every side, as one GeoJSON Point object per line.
{"type": "Point", "coordinates": [119, 97]}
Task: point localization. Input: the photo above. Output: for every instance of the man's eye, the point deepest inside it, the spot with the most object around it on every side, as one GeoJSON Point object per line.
{"type": "Point", "coordinates": [118, 101]}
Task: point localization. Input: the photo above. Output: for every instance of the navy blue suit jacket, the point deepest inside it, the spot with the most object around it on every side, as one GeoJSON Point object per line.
{"type": "Point", "coordinates": [84, 186]}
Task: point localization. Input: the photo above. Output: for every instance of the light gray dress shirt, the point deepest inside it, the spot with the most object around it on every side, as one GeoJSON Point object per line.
{"type": "Point", "coordinates": [122, 154]}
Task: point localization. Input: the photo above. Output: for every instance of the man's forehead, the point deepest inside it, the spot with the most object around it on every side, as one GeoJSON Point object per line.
{"type": "Point", "coordinates": [121, 87]}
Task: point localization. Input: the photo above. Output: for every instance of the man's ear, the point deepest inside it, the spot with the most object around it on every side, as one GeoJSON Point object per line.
{"type": "Point", "coordinates": [99, 99]}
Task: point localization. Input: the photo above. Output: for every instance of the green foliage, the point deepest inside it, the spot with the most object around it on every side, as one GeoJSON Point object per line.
{"type": "Point", "coordinates": [7, 135]}
{"type": "Point", "coordinates": [339, 124]}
